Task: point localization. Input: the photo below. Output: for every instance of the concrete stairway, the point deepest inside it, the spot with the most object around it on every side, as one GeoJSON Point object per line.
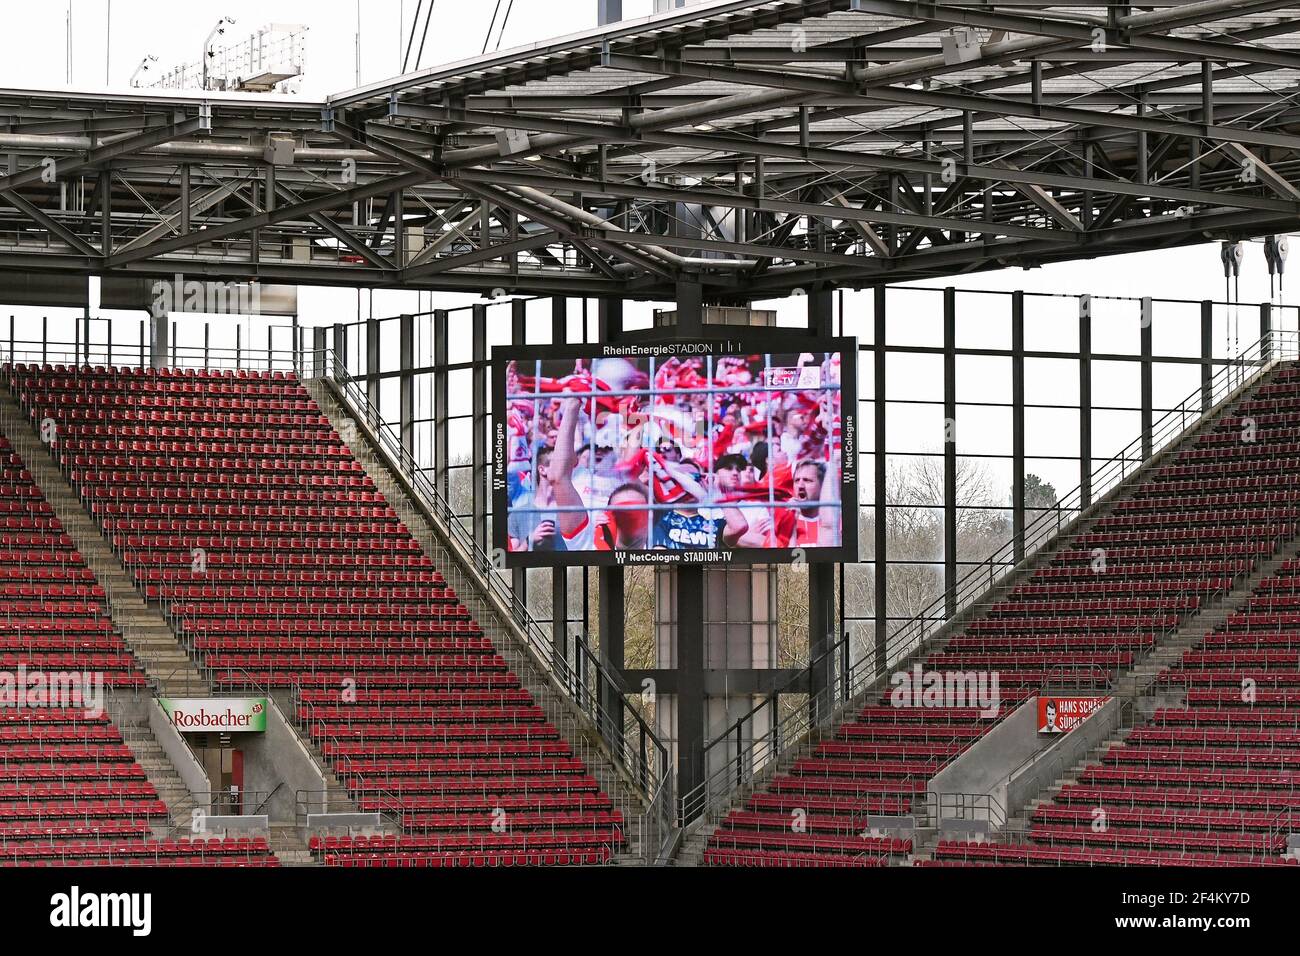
{"type": "Point", "coordinates": [143, 628]}
{"type": "Point", "coordinates": [337, 798]}
{"type": "Point", "coordinates": [130, 714]}
{"type": "Point", "coordinates": [694, 843]}
{"type": "Point", "coordinates": [532, 673]}
{"type": "Point", "coordinates": [1171, 650]}
{"type": "Point", "coordinates": [290, 846]}
{"type": "Point", "coordinates": [1168, 651]}
{"type": "Point", "coordinates": [162, 774]}
{"type": "Point", "coordinates": [1143, 677]}
{"type": "Point", "coordinates": [1019, 821]}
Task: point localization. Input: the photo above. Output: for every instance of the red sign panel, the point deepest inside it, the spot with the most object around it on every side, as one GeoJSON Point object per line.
{"type": "Point", "coordinates": [1060, 715]}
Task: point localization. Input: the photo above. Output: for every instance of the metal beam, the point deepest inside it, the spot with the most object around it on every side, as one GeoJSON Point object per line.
{"type": "Point", "coordinates": [53, 226]}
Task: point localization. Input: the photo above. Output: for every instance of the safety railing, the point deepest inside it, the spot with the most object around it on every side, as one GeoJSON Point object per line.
{"type": "Point", "coordinates": [371, 798]}
{"type": "Point", "coordinates": [735, 757]}
{"type": "Point", "coordinates": [1284, 825]}
{"type": "Point", "coordinates": [592, 688]}
{"type": "Point", "coordinates": [232, 802]}
{"type": "Point", "coordinates": [490, 832]}
{"type": "Point", "coordinates": [1036, 773]}
{"type": "Point", "coordinates": [302, 359]}
{"type": "Point", "coordinates": [131, 547]}
{"type": "Point", "coordinates": [58, 822]}
{"type": "Point", "coordinates": [936, 808]}
{"type": "Point", "coordinates": [105, 850]}
{"type": "Point", "coordinates": [657, 827]}
{"type": "Point", "coordinates": [308, 802]}
{"type": "Point", "coordinates": [262, 804]}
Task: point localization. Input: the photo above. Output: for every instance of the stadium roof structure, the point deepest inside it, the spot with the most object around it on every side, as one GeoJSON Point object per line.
{"type": "Point", "coordinates": [756, 148]}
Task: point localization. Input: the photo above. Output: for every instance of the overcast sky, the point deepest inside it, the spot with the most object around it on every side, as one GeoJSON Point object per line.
{"type": "Point", "coordinates": [174, 32]}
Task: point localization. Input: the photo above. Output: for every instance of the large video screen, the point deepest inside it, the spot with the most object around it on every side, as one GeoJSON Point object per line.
{"type": "Point", "coordinates": [735, 450]}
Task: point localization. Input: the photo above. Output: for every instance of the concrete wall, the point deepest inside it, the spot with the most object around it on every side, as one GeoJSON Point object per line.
{"type": "Point", "coordinates": [1064, 752]}
{"type": "Point", "coordinates": [1012, 763]}
{"type": "Point", "coordinates": [182, 757]}
{"type": "Point", "coordinates": [247, 825]}
{"type": "Point", "coordinates": [278, 757]}
{"type": "Point", "coordinates": [128, 708]}
{"type": "Point", "coordinates": [985, 766]}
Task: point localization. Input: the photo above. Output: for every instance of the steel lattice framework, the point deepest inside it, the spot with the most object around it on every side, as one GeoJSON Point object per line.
{"type": "Point", "coordinates": [755, 148]}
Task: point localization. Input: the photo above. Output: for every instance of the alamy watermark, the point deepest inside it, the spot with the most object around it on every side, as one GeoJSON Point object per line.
{"type": "Point", "coordinates": [921, 688]}
{"type": "Point", "coordinates": [179, 294]}
{"type": "Point", "coordinates": [66, 690]}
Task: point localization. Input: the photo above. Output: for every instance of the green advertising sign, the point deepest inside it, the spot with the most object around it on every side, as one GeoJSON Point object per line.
{"type": "Point", "coordinates": [193, 715]}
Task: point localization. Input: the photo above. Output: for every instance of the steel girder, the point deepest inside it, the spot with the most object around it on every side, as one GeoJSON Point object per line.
{"type": "Point", "coordinates": [757, 148]}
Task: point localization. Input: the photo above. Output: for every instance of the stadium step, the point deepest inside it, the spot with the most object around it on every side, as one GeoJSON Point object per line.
{"type": "Point", "coordinates": [337, 797]}
{"type": "Point", "coordinates": [371, 578]}
{"type": "Point", "coordinates": [532, 673]}
{"type": "Point", "coordinates": [143, 628]}
{"type": "Point", "coordinates": [131, 719]}
{"type": "Point", "coordinates": [1189, 625]}
{"type": "Point", "coordinates": [1196, 628]}
{"type": "Point", "coordinates": [1139, 680]}
{"type": "Point", "coordinates": [289, 845]}
{"type": "Point", "coordinates": [691, 852]}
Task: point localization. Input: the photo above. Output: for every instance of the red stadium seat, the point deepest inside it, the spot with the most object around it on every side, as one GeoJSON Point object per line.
{"type": "Point", "coordinates": [309, 583]}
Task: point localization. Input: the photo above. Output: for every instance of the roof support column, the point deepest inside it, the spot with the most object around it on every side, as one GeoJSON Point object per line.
{"type": "Point", "coordinates": [689, 611]}
{"type": "Point", "coordinates": [479, 401]}
{"type": "Point", "coordinates": [821, 576]}
{"type": "Point", "coordinates": [159, 340]}
{"type": "Point", "coordinates": [1147, 415]}
{"type": "Point", "coordinates": [880, 513]}
{"type": "Point", "coordinates": [1207, 354]}
{"type": "Point", "coordinates": [518, 576]}
{"type": "Point", "coordinates": [406, 383]}
{"type": "Point", "coordinates": [950, 451]}
{"type": "Point", "coordinates": [608, 11]}
{"type": "Point", "coordinates": [559, 575]}
{"type": "Point", "coordinates": [1018, 423]}
{"type": "Point", "coordinates": [611, 615]}
{"type": "Point", "coordinates": [1265, 330]}
{"type": "Point", "coordinates": [1085, 401]}
{"type": "Point", "coordinates": [372, 362]}
{"type": "Point", "coordinates": [441, 403]}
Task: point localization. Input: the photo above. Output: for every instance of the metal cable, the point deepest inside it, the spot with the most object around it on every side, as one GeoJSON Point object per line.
{"type": "Point", "coordinates": [504, 20]}
{"type": "Point", "coordinates": [411, 40]}
{"type": "Point", "coordinates": [495, 11]}
{"type": "Point", "coordinates": [427, 17]}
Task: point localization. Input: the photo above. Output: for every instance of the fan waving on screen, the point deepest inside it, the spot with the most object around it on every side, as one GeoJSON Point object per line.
{"type": "Point", "coordinates": [624, 526]}
{"type": "Point", "coordinates": [687, 526]}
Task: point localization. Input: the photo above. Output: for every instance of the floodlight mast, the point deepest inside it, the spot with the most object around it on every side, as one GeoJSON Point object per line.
{"type": "Point", "coordinates": [219, 29]}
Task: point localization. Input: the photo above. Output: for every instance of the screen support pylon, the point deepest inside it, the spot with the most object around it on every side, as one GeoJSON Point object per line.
{"type": "Point", "coordinates": [821, 577]}
{"type": "Point", "coordinates": [689, 613]}
{"type": "Point", "coordinates": [611, 619]}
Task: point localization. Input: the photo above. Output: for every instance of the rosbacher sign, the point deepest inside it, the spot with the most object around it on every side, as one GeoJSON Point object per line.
{"type": "Point", "coordinates": [230, 714]}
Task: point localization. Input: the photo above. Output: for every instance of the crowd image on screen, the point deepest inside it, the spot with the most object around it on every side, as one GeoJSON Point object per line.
{"type": "Point", "coordinates": [655, 453]}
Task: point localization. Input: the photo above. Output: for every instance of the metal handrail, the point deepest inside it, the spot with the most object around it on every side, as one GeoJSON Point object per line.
{"type": "Point", "coordinates": [262, 806]}
{"type": "Point", "coordinates": [647, 761]}
{"type": "Point", "coordinates": [222, 802]}
{"type": "Point", "coordinates": [981, 584]}
{"type": "Point", "coordinates": [939, 805]}
{"type": "Point", "coordinates": [585, 679]}
{"type": "Point", "coordinates": [109, 355]}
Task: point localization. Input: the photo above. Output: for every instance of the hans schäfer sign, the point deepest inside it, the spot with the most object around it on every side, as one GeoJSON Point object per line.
{"type": "Point", "coordinates": [1060, 715]}
{"type": "Point", "coordinates": [216, 714]}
